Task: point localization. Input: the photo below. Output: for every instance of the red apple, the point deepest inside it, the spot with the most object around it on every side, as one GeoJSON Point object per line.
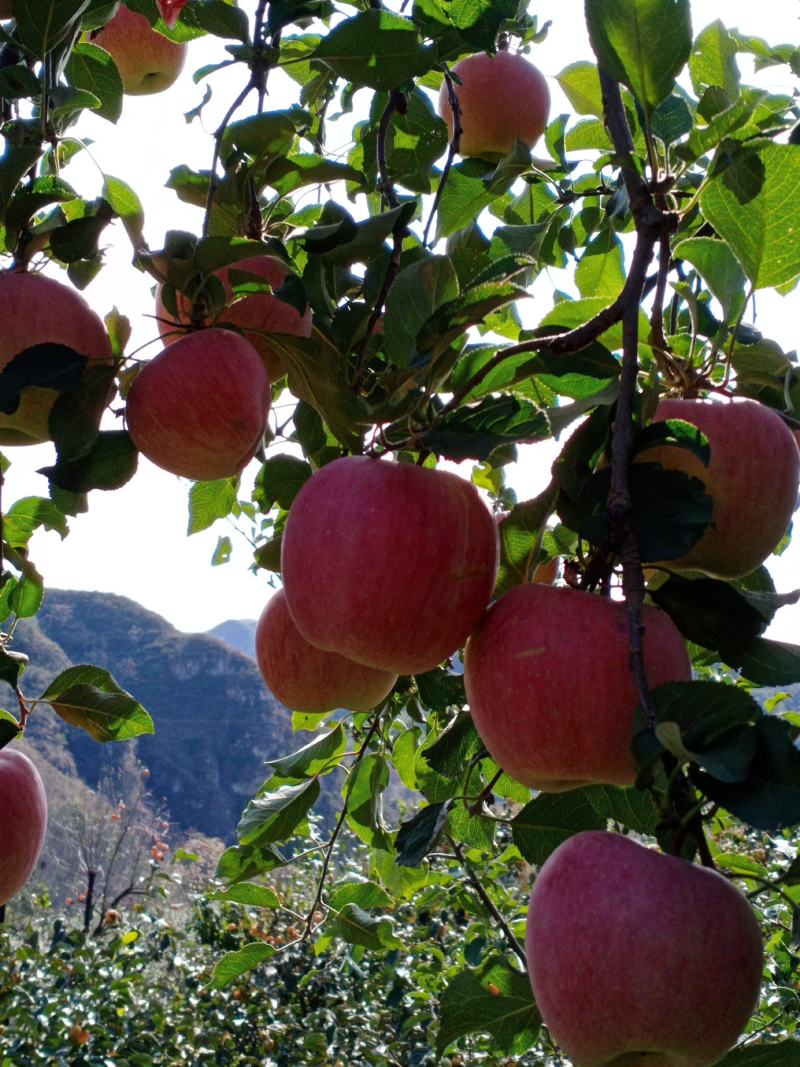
{"type": "Point", "coordinates": [148, 62]}
{"type": "Point", "coordinates": [549, 686]}
{"type": "Point", "coordinates": [752, 478]}
{"type": "Point", "coordinates": [36, 309]}
{"type": "Point", "coordinates": [305, 678]}
{"type": "Point", "coordinates": [638, 959]}
{"type": "Point", "coordinates": [23, 821]}
{"type": "Point", "coordinates": [388, 564]}
{"type": "Point", "coordinates": [502, 98]}
{"type": "Point", "coordinates": [199, 409]}
{"type": "Point", "coordinates": [256, 315]}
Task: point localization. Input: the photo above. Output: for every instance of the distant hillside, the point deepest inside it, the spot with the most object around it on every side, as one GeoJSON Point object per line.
{"type": "Point", "coordinates": [239, 634]}
{"type": "Point", "coordinates": [216, 722]}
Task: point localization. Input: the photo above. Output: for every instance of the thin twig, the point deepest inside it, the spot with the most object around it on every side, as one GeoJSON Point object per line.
{"type": "Point", "coordinates": [455, 148]}
{"type": "Point", "coordinates": [489, 904]}
{"type": "Point", "coordinates": [336, 831]}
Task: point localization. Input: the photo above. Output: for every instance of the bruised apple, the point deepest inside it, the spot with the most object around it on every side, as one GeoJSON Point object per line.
{"type": "Point", "coordinates": [305, 678]}
{"type": "Point", "coordinates": [199, 409]}
{"type": "Point", "coordinates": [23, 821]}
{"type": "Point", "coordinates": [638, 959]}
{"type": "Point", "coordinates": [35, 310]}
{"type": "Point", "coordinates": [148, 62]}
{"type": "Point", "coordinates": [256, 315]}
{"type": "Point", "coordinates": [549, 686]}
{"type": "Point", "coordinates": [388, 564]}
{"type": "Point", "coordinates": [502, 98]}
{"type": "Point", "coordinates": [752, 479]}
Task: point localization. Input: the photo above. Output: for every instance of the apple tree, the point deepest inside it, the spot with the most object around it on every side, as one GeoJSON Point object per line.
{"type": "Point", "coordinates": [389, 312]}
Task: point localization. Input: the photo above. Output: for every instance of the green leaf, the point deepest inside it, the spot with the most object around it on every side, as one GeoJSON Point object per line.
{"type": "Point", "coordinates": [494, 999]}
{"type": "Point", "coordinates": [455, 746]}
{"type": "Point", "coordinates": [629, 807]}
{"type": "Point", "coordinates": [241, 862]}
{"type": "Point", "coordinates": [358, 927]}
{"type": "Point", "coordinates": [27, 515]}
{"type": "Point", "coordinates": [773, 1054]}
{"type": "Point", "coordinates": [209, 501]}
{"type": "Point", "coordinates": [672, 119]}
{"type": "Point", "coordinates": [319, 756]}
{"type": "Point", "coordinates": [37, 194]}
{"type": "Point", "coordinates": [255, 896]}
{"type": "Point", "coordinates": [364, 794]}
{"type": "Point", "coordinates": [279, 481]}
{"type": "Point", "coordinates": [581, 84]}
{"type": "Point", "coordinates": [420, 834]}
{"type": "Point", "coordinates": [260, 136]}
{"type": "Point", "coordinates": [767, 662]}
{"type": "Point", "coordinates": [9, 728]}
{"type": "Point", "coordinates": [234, 964]}
{"type": "Point", "coordinates": [127, 205]}
{"type": "Point", "coordinates": [467, 26]}
{"type": "Point", "coordinates": [549, 819]}
{"type": "Point", "coordinates": [43, 24]}
{"type": "Point", "coordinates": [600, 270]}
{"type": "Point", "coordinates": [273, 816]}
{"type": "Point", "coordinates": [92, 68]}
{"type": "Point", "coordinates": [474, 432]}
{"type": "Point", "coordinates": [377, 49]}
{"type": "Point", "coordinates": [520, 539]}
{"type": "Point", "coordinates": [725, 124]}
{"type": "Point", "coordinates": [713, 61]}
{"type": "Point", "coordinates": [218, 17]}
{"type": "Point", "coordinates": [719, 268]}
{"type": "Point", "coordinates": [110, 464]}
{"type": "Point", "coordinates": [623, 33]}
{"type": "Point", "coordinates": [752, 205]}
{"type": "Point", "coordinates": [88, 697]}
{"type": "Point", "coordinates": [418, 291]}
{"type": "Point", "coordinates": [25, 597]}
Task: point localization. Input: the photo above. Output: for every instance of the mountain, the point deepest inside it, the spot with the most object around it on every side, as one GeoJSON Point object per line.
{"type": "Point", "coordinates": [215, 721]}
{"type": "Point", "coordinates": [239, 634]}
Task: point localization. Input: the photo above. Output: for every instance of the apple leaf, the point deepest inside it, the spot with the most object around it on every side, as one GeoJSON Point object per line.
{"type": "Point", "coordinates": [521, 537]}
{"type": "Point", "coordinates": [672, 119]}
{"type": "Point", "coordinates": [48, 365]}
{"type": "Point", "coordinates": [494, 999]}
{"type": "Point", "coordinates": [27, 515]}
{"type": "Point", "coordinates": [752, 204]}
{"type": "Point", "coordinates": [622, 33]}
{"type": "Point", "coordinates": [41, 25]}
{"type": "Point", "coordinates": [474, 432]}
{"type": "Point", "coordinates": [209, 501]}
{"type": "Point", "coordinates": [767, 662]}
{"type": "Point", "coordinates": [92, 68]}
{"type": "Point", "coordinates": [719, 268]}
{"type": "Point", "coordinates": [418, 291]}
{"type": "Point", "coordinates": [454, 747]}
{"type": "Point", "coordinates": [88, 697]}
{"type": "Point", "coordinates": [358, 927]}
{"type": "Point", "coordinates": [234, 964]}
{"type": "Point", "coordinates": [581, 84]}
{"type": "Point", "coordinates": [600, 270]}
{"type": "Point", "coordinates": [420, 835]}
{"type": "Point", "coordinates": [779, 1054]}
{"type": "Point", "coordinates": [272, 816]}
{"type": "Point", "coordinates": [241, 862]}
{"type": "Point", "coordinates": [364, 794]}
{"type": "Point", "coordinates": [713, 61]}
{"type": "Point", "coordinates": [470, 27]}
{"type": "Point", "coordinates": [319, 756]}
{"type": "Point", "coordinates": [255, 896]}
{"type": "Point", "coordinates": [549, 819]}
{"type": "Point", "coordinates": [9, 728]}
{"type": "Point", "coordinates": [376, 48]}
{"type": "Point", "coordinates": [632, 808]}
{"type": "Point", "coordinates": [279, 481]}
{"type": "Point", "coordinates": [110, 464]}
{"type": "Point", "coordinates": [770, 797]}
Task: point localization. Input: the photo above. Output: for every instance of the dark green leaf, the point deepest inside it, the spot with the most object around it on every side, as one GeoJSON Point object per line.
{"type": "Point", "coordinates": [376, 48]}
{"type": "Point", "coordinates": [494, 999]}
{"type": "Point", "coordinates": [234, 964]}
{"type": "Point", "coordinates": [358, 927]}
{"type": "Point", "coordinates": [773, 1054]}
{"type": "Point", "coordinates": [474, 432]}
{"type": "Point", "coordinates": [520, 539]}
{"type": "Point", "coordinates": [623, 33]}
{"type": "Point", "coordinates": [48, 365]}
{"type": "Point", "coordinates": [279, 481]}
{"type": "Point", "coordinates": [88, 697]}
{"type": "Point", "coordinates": [629, 807]}
{"type": "Point", "coordinates": [418, 291]}
{"type": "Point", "coordinates": [420, 835]}
{"type": "Point", "coordinates": [319, 756]}
{"type": "Point", "coordinates": [273, 816]}
{"type": "Point", "coordinates": [455, 746]}
{"type": "Point", "coordinates": [110, 464]}
{"type": "Point", "coordinates": [549, 819]}
{"type": "Point", "coordinates": [43, 24]}
{"type": "Point", "coordinates": [93, 69]}
{"type": "Point", "coordinates": [9, 728]}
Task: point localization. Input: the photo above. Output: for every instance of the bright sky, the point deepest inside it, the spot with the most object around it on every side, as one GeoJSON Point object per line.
{"type": "Point", "coordinates": [133, 541]}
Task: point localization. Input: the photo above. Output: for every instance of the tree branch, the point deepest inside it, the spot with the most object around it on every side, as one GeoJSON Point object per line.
{"type": "Point", "coordinates": [455, 147]}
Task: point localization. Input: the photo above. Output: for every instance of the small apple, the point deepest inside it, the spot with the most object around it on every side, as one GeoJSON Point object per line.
{"type": "Point", "coordinates": [752, 478]}
{"type": "Point", "coordinates": [23, 821]}
{"type": "Point", "coordinates": [305, 678]}
{"type": "Point", "coordinates": [388, 564]}
{"type": "Point", "coordinates": [199, 409]}
{"type": "Point", "coordinates": [638, 959]}
{"type": "Point", "coordinates": [549, 686]}
{"type": "Point", "coordinates": [148, 62]}
{"type": "Point", "coordinates": [255, 315]}
{"type": "Point", "coordinates": [503, 98]}
{"type": "Point", "coordinates": [36, 310]}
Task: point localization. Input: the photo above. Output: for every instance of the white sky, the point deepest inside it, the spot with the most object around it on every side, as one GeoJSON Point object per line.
{"type": "Point", "coordinates": [133, 541]}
